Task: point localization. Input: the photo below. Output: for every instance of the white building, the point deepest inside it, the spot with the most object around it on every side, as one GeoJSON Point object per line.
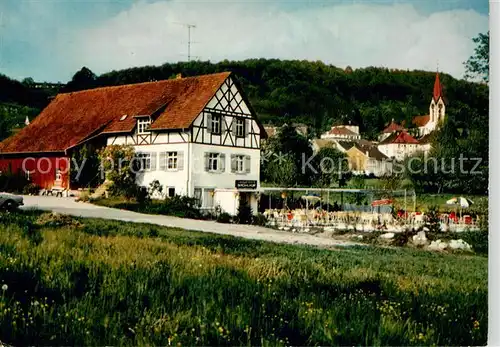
{"type": "Point", "coordinates": [342, 132]}
{"type": "Point", "coordinates": [399, 145]}
{"type": "Point", "coordinates": [210, 152]}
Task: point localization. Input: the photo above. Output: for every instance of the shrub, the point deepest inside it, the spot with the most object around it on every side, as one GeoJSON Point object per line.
{"type": "Point", "coordinates": [120, 166]}
{"type": "Point", "coordinates": [31, 189]}
{"type": "Point", "coordinates": [259, 219]}
{"type": "Point", "coordinates": [142, 196]}
{"type": "Point", "coordinates": [155, 189]}
{"type": "Point", "coordinates": [13, 182]}
{"type": "Point", "coordinates": [244, 214]}
{"type": "Point", "coordinates": [180, 206]}
{"type": "Point", "coordinates": [477, 239]}
{"type": "Point", "coordinates": [224, 217]}
{"type": "Point", "coordinates": [432, 221]}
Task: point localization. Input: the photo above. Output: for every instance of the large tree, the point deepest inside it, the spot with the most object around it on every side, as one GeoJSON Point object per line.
{"type": "Point", "coordinates": [478, 65]}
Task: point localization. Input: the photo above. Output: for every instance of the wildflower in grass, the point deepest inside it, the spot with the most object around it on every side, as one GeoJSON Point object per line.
{"type": "Point", "coordinates": [5, 287]}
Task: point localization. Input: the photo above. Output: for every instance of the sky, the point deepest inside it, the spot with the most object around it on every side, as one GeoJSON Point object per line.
{"type": "Point", "coordinates": [49, 40]}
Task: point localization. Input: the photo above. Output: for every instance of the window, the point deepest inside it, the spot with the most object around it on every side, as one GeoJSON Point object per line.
{"type": "Point", "coordinates": [213, 162]}
{"type": "Point", "coordinates": [144, 161]}
{"type": "Point", "coordinates": [240, 163]}
{"type": "Point", "coordinates": [208, 198]}
{"type": "Point", "coordinates": [198, 196]}
{"type": "Point", "coordinates": [216, 123]}
{"type": "Point", "coordinates": [143, 125]}
{"type": "Point", "coordinates": [171, 192]}
{"type": "Point", "coordinates": [172, 161]}
{"type": "Point", "coordinates": [240, 127]}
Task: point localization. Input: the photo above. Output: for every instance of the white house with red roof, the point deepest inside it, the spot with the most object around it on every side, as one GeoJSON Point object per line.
{"type": "Point", "coordinates": [343, 133]}
{"type": "Point", "coordinates": [198, 136]}
{"type": "Point", "coordinates": [399, 145]}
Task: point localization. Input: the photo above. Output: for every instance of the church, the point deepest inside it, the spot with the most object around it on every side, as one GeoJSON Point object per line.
{"type": "Point", "coordinates": [437, 108]}
{"type": "Point", "coordinates": [397, 142]}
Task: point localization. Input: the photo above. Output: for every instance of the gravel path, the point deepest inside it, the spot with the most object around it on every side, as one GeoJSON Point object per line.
{"type": "Point", "coordinates": [70, 207]}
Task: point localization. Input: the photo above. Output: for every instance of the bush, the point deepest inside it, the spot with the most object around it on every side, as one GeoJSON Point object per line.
{"type": "Point", "coordinates": [13, 182]}
{"type": "Point", "coordinates": [224, 217]}
{"type": "Point", "coordinates": [142, 196]}
{"type": "Point", "coordinates": [180, 206]}
{"type": "Point", "coordinates": [477, 239]}
{"type": "Point", "coordinates": [244, 214]}
{"type": "Point", "coordinates": [259, 219]}
{"type": "Point", "coordinates": [31, 189]}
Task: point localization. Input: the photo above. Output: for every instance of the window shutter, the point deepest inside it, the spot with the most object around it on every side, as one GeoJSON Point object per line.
{"type": "Point", "coordinates": [207, 161]}
{"type": "Point", "coordinates": [233, 163]}
{"type": "Point", "coordinates": [153, 161]}
{"type": "Point", "coordinates": [233, 125]}
{"type": "Point", "coordinates": [222, 124]}
{"type": "Point", "coordinates": [247, 163]}
{"type": "Point", "coordinates": [246, 125]}
{"type": "Point", "coordinates": [222, 162]}
{"type": "Point", "coordinates": [209, 122]}
{"type": "Point", "coordinates": [180, 160]}
{"type": "Point", "coordinates": [163, 161]}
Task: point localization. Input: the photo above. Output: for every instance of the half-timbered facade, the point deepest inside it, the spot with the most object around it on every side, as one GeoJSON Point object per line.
{"type": "Point", "coordinates": [197, 136]}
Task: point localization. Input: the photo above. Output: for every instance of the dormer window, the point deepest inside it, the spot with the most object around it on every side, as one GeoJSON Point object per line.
{"type": "Point", "coordinates": [143, 125]}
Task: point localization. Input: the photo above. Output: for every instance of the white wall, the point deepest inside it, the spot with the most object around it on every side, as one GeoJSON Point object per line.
{"type": "Point", "coordinates": [224, 180]}
{"type": "Point", "coordinates": [177, 179]}
{"type": "Point", "coordinates": [398, 150]}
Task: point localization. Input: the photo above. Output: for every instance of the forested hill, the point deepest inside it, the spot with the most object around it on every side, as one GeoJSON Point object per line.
{"type": "Point", "coordinates": [317, 94]}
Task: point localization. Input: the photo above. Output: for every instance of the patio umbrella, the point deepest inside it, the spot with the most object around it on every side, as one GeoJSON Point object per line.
{"type": "Point", "coordinates": [381, 202]}
{"type": "Point", "coordinates": [460, 201]}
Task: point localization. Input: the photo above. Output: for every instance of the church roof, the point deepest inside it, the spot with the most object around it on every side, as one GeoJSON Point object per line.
{"type": "Point", "coordinates": [421, 121]}
{"type": "Point", "coordinates": [438, 89]}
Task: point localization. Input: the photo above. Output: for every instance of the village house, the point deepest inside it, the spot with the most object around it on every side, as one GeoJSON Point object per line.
{"type": "Point", "coordinates": [198, 136]}
{"type": "Point", "coordinates": [399, 145]}
{"type": "Point", "coordinates": [368, 160]}
{"type": "Point", "coordinates": [342, 132]}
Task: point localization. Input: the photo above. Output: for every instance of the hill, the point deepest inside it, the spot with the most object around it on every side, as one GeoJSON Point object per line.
{"type": "Point", "coordinates": [312, 93]}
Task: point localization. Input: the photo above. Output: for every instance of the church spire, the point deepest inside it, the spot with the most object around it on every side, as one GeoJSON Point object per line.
{"type": "Point", "coordinates": [438, 89]}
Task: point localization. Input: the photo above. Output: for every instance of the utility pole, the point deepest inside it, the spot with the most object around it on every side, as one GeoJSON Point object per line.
{"type": "Point", "coordinates": [189, 27]}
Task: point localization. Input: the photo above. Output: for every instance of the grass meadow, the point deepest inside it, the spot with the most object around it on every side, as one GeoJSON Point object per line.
{"type": "Point", "coordinates": [69, 281]}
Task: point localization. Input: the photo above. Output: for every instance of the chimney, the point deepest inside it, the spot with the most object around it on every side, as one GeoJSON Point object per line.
{"type": "Point", "coordinates": [178, 76]}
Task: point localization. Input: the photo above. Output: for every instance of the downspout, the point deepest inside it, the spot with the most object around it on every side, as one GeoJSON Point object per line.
{"type": "Point", "coordinates": [188, 181]}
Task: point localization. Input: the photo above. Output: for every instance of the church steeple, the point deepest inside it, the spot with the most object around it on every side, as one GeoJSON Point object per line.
{"type": "Point", "coordinates": [438, 89]}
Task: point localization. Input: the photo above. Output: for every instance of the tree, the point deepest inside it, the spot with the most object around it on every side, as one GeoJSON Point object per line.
{"type": "Point", "coordinates": [478, 65]}
{"type": "Point", "coordinates": [83, 79]}
{"type": "Point", "coordinates": [285, 153]}
{"type": "Point", "coordinates": [330, 164]}
{"type": "Point", "coordinates": [120, 167]}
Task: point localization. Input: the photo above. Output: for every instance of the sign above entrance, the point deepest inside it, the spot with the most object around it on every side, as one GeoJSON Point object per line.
{"type": "Point", "coordinates": [245, 184]}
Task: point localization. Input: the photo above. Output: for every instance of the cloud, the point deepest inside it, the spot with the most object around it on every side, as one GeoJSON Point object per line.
{"type": "Point", "coordinates": [341, 33]}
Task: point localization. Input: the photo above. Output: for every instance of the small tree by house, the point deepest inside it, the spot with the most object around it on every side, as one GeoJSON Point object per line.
{"type": "Point", "coordinates": [119, 166]}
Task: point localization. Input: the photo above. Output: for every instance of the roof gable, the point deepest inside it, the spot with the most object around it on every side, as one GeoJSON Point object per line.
{"type": "Point", "coordinates": [392, 127]}
{"type": "Point", "coordinates": [71, 118]}
{"type": "Point", "coordinates": [401, 137]}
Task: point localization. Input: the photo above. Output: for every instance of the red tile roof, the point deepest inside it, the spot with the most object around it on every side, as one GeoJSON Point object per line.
{"type": "Point", "coordinates": [392, 128]}
{"type": "Point", "coordinates": [341, 131]}
{"type": "Point", "coordinates": [421, 121]}
{"type": "Point", "coordinates": [401, 137]}
{"type": "Point", "coordinates": [73, 117]}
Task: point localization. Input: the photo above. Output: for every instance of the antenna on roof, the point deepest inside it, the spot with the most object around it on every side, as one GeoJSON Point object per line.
{"type": "Point", "coordinates": [189, 42]}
